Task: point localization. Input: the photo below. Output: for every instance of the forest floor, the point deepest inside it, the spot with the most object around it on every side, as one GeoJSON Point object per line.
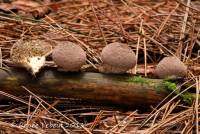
{"type": "Point", "coordinates": [152, 28]}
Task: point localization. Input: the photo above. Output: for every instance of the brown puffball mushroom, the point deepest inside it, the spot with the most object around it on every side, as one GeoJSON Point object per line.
{"type": "Point", "coordinates": [117, 58]}
{"type": "Point", "coordinates": [170, 67]}
{"type": "Point", "coordinates": [69, 56]}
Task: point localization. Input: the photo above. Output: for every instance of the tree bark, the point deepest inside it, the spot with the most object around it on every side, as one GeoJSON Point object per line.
{"type": "Point", "coordinates": [116, 90]}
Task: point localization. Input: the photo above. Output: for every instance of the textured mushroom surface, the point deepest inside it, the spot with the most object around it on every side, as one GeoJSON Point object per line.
{"type": "Point", "coordinates": [69, 56]}
{"type": "Point", "coordinates": [170, 67]}
{"type": "Point", "coordinates": [30, 54]}
{"type": "Point", "coordinates": [117, 58]}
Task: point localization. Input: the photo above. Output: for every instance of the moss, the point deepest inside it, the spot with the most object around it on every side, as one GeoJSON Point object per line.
{"type": "Point", "coordinates": [171, 86]}
{"type": "Point", "coordinates": [155, 83]}
{"type": "Point", "coordinates": [138, 79]}
{"type": "Point", "coordinates": [186, 96]}
{"type": "Point", "coordinates": [166, 84]}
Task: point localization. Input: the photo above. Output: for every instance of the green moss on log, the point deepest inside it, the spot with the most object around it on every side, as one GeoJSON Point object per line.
{"type": "Point", "coordinates": [138, 79]}
{"type": "Point", "coordinates": [186, 96]}
{"type": "Point", "coordinates": [171, 86]}
{"type": "Point", "coordinates": [142, 80]}
{"type": "Point", "coordinates": [165, 84]}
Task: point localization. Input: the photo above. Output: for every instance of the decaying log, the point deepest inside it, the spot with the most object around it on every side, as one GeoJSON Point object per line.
{"type": "Point", "coordinates": [118, 90]}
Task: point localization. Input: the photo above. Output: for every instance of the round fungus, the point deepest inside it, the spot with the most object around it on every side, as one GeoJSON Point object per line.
{"type": "Point", "coordinates": [30, 54]}
{"type": "Point", "coordinates": [117, 58]}
{"type": "Point", "coordinates": [170, 67]}
{"type": "Point", "coordinates": [69, 56]}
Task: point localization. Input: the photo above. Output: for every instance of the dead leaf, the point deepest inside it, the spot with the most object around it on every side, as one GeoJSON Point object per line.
{"type": "Point", "coordinates": [25, 4]}
{"type": "Point", "coordinates": [40, 12]}
{"type": "Point", "coordinates": [7, 8]}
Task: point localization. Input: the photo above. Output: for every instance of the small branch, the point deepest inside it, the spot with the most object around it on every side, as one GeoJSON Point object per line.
{"type": "Point", "coordinates": [118, 90]}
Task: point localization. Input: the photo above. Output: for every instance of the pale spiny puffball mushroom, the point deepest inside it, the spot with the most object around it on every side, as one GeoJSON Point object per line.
{"type": "Point", "coordinates": [170, 67]}
{"type": "Point", "coordinates": [117, 58]}
{"type": "Point", "coordinates": [30, 54]}
{"type": "Point", "coordinates": [69, 56]}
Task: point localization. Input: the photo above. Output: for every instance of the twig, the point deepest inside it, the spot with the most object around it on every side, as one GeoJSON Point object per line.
{"type": "Point", "coordinates": [197, 103]}
{"type": "Point", "coordinates": [93, 10]}
{"type": "Point", "coordinates": [182, 34]}
{"type": "Point", "coordinates": [55, 109]}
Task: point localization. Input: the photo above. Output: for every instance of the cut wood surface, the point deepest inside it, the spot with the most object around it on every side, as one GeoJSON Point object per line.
{"type": "Point", "coordinates": [119, 90]}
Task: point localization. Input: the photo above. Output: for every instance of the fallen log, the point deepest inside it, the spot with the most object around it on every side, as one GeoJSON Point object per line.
{"type": "Point", "coordinates": [118, 90]}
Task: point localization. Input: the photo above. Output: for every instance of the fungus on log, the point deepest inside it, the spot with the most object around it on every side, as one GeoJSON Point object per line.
{"type": "Point", "coordinates": [117, 58]}
{"type": "Point", "coordinates": [30, 54]}
{"type": "Point", "coordinates": [69, 56]}
{"type": "Point", "coordinates": [105, 89]}
{"type": "Point", "coordinates": [170, 67]}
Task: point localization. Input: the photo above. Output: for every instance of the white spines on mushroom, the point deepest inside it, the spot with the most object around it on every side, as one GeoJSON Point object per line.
{"type": "Point", "coordinates": [30, 54]}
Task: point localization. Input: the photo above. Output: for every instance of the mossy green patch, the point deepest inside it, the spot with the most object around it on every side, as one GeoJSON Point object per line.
{"type": "Point", "coordinates": [166, 84]}
{"type": "Point", "coordinates": [143, 81]}
{"type": "Point", "coordinates": [186, 96]}
{"type": "Point", "coordinates": [138, 79]}
{"type": "Point", "coordinates": [171, 86]}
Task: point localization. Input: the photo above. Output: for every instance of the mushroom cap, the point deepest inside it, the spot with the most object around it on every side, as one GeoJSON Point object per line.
{"type": "Point", "coordinates": [117, 58]}
{"type": "Point", "coordinates": [69, 56]}
{"type": "Point", "coordinates": [170, 67]}
{"type": "Point", "coordinates": [22, 50]}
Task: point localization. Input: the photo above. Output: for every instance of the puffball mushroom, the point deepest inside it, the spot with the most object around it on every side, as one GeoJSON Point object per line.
{"type": "Point", "coordinates": [170, 67]}
{"type": "Point", "coordinates": [117, 58]}
{"type": "Point", "coordinates": [30, 54]}
{"type": "Point", "coordinates": [69, 56]}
